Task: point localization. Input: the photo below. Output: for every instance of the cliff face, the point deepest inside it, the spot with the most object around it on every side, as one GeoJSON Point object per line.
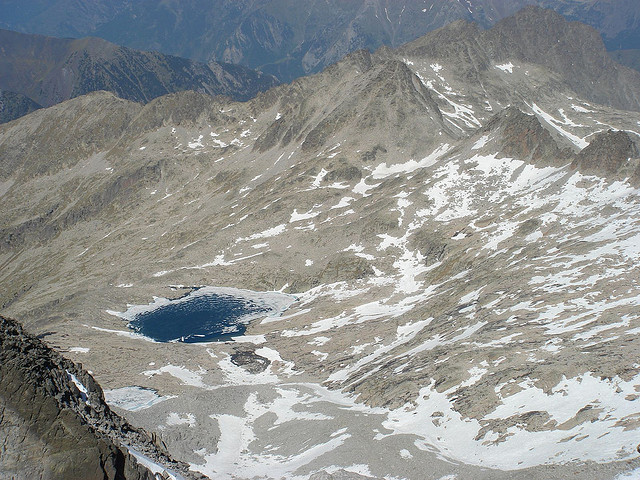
{"type": "Point", "coordinates": [54, 423]}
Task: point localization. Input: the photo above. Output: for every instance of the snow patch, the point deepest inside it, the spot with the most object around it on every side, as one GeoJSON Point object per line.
{"type": "Point", "coordinates": [79, 349]}
{"type": "Point", "coordinates": [133, 398]}
{"type": "Point", "coordinates": [383, 171]}
{"type": "Point", "coordinates": [506, 67]}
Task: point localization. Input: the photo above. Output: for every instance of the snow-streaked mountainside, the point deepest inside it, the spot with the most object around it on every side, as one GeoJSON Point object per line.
{"type": "Point", "coordinates": [460, 228]}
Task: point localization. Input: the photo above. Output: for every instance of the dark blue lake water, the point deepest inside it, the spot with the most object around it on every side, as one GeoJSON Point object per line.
{"type": "Point", "coordinates": [204, 315]}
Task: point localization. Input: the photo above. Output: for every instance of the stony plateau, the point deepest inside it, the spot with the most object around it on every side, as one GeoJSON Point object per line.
{"type": "Point", "coordinates": [459, 221]}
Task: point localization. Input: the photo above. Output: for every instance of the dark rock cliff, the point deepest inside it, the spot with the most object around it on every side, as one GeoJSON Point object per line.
{"type": "Point", "coordinates": [54, 422]}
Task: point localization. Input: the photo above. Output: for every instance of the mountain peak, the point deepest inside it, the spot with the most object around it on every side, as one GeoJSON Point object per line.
{"type": "Point", "coordinates": [573, 51]}
{"type": "Point", "coordinates": [609, 153]}
{"type": "Point", "coordinates": [523, 136]}
{"type": "Point", "coordinates": [374, 93]}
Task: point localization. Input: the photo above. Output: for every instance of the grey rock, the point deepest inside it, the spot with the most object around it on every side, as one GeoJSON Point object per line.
{"type": "Point", "coordinates": [608, 153]}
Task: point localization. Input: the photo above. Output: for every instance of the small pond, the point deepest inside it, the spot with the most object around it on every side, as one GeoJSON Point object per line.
{"type": "Point", "coordinates": [206, 314]}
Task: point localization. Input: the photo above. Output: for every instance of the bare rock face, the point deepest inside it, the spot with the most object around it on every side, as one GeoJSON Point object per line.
{"type": "Point", "coordinates": [249, 360]}
{"type": "Point", "coordinates": [608, 153]}
{"type": "Point", "coordinates": [522, 136]}
{"type": "Point", "coordinates": [573, 51]}
{"type": "Point", "coordinates": [54, 421]}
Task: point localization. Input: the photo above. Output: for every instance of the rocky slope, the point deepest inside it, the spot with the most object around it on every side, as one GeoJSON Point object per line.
{"type": "Point", "coordinates": [55, 422]}
{"type": "Point", "coordinates": [50, 70]}
{"type": "Point", "coordinates": [460, 231]}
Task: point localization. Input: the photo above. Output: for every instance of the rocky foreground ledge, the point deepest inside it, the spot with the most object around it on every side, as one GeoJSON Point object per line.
{"type": "Point", "coordinates": [54, 422]}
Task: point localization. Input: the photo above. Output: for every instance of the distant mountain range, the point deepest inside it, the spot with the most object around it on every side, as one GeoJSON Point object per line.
{"type": "Point", "coordinates": [36, 70]}
{"type": "Point", "coordinates": [291, 38]}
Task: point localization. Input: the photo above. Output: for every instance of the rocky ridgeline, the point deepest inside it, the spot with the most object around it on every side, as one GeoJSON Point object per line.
{"type": "Point", "coordinates": [610, 153]}
{"type": "Point", "coordinates": [523, 136]}
{"type": "Point", "coordinates": [264, 34]}
{"type": "Point", "coordinates": [60, 69]}
{"type": "Point", "coordinates": [55, 422]}
{"type": "Point", "coordinates": [573, 51]}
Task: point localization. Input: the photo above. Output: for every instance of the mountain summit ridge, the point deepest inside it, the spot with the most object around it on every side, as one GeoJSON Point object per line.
{"type": "Point", "coordinates": [56, 423]}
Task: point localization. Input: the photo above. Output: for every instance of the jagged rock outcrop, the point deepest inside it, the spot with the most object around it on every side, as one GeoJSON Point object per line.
{"type": "Point", "coordinates": [54, 422]}
{"type": "Point", "coordinates": [573, 51]}
{"type": "Point", "coordinates": [609, 153]}
{"type": "Point", "coordinates": [249, 360]}
{"type": "Point", "coordinates": [522, 136]}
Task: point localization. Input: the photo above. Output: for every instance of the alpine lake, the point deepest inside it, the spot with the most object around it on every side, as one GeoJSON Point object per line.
{"type": "Point", "coordinates": [205, 314]}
